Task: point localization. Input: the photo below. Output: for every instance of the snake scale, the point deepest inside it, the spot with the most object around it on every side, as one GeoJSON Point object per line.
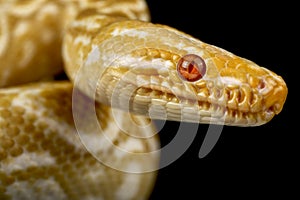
{"type": "Point", "coordinates": [112, 56]}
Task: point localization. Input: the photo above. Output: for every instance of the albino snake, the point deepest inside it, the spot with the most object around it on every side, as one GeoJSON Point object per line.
{"type": "Point", "coordinates": [111, 55]}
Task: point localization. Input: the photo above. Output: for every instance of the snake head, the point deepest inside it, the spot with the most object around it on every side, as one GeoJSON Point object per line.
{"type": "Point", "coordinates": [159, 71]}
{"type": "Point", "coordinates": [229, 89]}
{"type": "Point", "coordinates": [232, 88]}
{"type": "Point", "coordinates": [215, 86]}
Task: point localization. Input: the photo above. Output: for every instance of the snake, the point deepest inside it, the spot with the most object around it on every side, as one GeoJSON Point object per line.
{"type": "Point", "coordinates": [122, 72]}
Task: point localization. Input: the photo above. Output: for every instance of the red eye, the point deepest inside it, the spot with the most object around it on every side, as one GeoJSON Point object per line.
{"type": "Point", "coordinates": [191, 67]}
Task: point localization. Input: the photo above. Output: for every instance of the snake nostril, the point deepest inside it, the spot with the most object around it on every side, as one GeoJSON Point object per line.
{"type": "Point", "coordinates": [261, 85]}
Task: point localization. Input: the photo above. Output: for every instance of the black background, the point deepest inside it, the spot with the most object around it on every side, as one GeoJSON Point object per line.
{"type": "Point", "coordinates": [246, 162]}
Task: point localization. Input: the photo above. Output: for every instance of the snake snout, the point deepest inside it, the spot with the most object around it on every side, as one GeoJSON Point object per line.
{"type": "Point", "coordinates": [277, 99]}
{"type": "Point", "coordinates": [275, 92]}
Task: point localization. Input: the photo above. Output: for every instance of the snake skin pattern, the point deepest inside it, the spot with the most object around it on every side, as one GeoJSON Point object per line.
{"type": "Point", "coordinates": [114, 56]}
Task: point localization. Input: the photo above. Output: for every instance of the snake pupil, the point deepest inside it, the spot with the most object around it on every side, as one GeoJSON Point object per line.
{"type": "Point", "coordinates": [191, 67]}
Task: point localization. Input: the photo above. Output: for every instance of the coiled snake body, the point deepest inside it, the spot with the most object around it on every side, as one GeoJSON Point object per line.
{"type": "Point", "coordinates": [111, 54]}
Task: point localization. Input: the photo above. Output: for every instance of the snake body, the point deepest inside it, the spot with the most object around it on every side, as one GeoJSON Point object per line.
{"type": "Point", "coordinates": [112, 55]}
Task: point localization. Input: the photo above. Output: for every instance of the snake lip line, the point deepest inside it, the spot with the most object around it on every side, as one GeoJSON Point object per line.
{"type": "Point", "coordinates": [164, 104]}
{"type": "Point", "coordinates": [232, 105]}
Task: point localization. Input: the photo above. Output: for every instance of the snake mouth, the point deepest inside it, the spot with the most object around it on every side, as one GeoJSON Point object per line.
{"type": "Point", "coordinates": [163, 104]}
{"type": "Point", "coordinates": [148, 95]}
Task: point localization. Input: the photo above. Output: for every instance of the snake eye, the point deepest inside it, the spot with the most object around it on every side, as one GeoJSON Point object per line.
{"type": "Point", "coordinates": [191, 68]}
